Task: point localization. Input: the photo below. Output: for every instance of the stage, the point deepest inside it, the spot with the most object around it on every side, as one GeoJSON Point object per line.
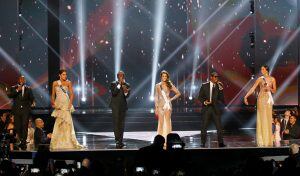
{"type": "Point", "coordinates": [96, 143]}
{"type": "Point", "coordinates": [99, 144]}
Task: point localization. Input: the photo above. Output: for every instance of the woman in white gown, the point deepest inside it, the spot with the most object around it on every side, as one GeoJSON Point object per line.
{"type": "Point", "coordinates": [163, 103]}
{"type": "Point", "coordinates": [63, 135]}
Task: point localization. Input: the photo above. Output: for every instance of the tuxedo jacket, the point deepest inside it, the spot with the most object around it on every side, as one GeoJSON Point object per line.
{"type": "Point", "coordinates": [217, 97]}
{"type": "Point", "coordinates": [21, 102]}
{"type": "Point", "coordinates": [40, 137]}
{"type": "Point", "coordinates": [283, 126]}
{"type": "Point", "coordinates": [294, 131]}
{"type": "Point", "coordinates": [118, 99]}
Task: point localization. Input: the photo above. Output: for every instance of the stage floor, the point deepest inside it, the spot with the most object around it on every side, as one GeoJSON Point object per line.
{"type": "Point", "coordinates": [244, 138]}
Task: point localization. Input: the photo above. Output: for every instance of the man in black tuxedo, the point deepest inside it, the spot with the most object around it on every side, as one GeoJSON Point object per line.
{"type": "Point", "coordinates": [23, 100]}
{"type": "Point", "coordinates": [120, 90]}
{"type": "Point", "coordinates": [212, 97]}
{"type": "Point", "coordinates": [284, 122]}
{"type": "Point", "coordinates": [292, 130]}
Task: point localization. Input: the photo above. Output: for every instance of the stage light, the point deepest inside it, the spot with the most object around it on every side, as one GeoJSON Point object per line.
{"type": "Point", "coordinates": [81, 31]}
{"type": "Point", "coordinates": [284, 42]}
{"type": "Point", "coordinates": [78, 88]}
{"type": "Point", "coordinates": [151, 98]}
{"type": "Point", "coordinates": [193, 34]}
{"type": "Point", "coordinates": [83, 99]}
{"type": "Point", "coordinates": [167, 59]}
{"type": "Point", "coordinates": [118, 29]}
{"type": "Point", "coordinates": [19, 68]}
{"type": "Point", "coordinates": [190, 98]}
{"type": "Point", "coordinates": [252, 39]}
{"type": "Point", "coordinates": [286, 83]}
{"type": "Point", "coordinates": [195, 62]}
{"type": "Point", "coordinates": [252, 9]}
{"type": "Point", "coordinates": [158, 30]}
{"type": "Point", "coordinates": [238, 94]}
{"type": "Point", "coordinates": [222, 42]}
{"type": "Point", "coordinates": [49, 46]}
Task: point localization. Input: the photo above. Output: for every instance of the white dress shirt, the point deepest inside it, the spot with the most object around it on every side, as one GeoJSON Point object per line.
{"type": "Point", "coordinates": [211, 86]}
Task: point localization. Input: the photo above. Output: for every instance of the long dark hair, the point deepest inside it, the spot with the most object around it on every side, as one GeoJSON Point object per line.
{"type": "Point", "coordinates": [62, 71]}
{"type": "Point", "coordinates": [169, 83]}
{"type": "Point", "coordinates": [267, 68]}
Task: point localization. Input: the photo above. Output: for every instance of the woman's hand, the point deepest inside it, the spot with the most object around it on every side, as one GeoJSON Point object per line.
{"type": "Point", "coordinates": [246, 101]}
{"type": "Point", "coordinates": [53, 105]}
{"type": "Point", "coordinates": [69, 106]}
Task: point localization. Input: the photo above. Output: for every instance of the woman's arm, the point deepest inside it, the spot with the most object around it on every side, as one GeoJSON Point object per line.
{"type": "Point", "coordinates": [251, 90]}
{"type": "Point", "coordinates": [53, 94]}
{"type": "Point", "coordinates": [176, 91]}
{"type": "Point", "coordinates": [71, 94]}
{"type": "Point", "coordinates": [274, 86]}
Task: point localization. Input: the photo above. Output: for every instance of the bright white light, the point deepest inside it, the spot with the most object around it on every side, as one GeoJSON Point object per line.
{"type": "Point", "coordinates": [151, 98]}
{"type": "Point", "coordinates": [195, 61]}
{"type": "Point", "coordinates": [190, 98]}
{"type": "Point", "coordinates": [284, 42]}
{"type": "Point", "coordinates": [81, 19]}
{"type": "Point", "coordinates": [83, 99]}
{"type": "Point", "coordinates": [84, 140]}
{"type": "Point", "coordinates": [28, 77]}
{"type": "Point", "coordinates": [158, 29]}
{"type": "Point", "coordinates": [118, 33]}
{"type": "Point", "coordinates": [78, 88]}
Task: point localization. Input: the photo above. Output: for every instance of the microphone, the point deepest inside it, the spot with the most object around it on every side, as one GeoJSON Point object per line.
{"type": "Point", "coordinates": [220, 84]}
{"type": "Point", "coordinates": [265, 80]}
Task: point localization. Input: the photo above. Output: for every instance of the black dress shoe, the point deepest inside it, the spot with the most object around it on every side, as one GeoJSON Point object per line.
{"type": "Point", "coordinates": [120, 145]}
{"type": "Point", "coordinates": [222, 145]}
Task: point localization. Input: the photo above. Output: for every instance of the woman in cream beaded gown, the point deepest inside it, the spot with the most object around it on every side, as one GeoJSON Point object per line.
{"type": "Point", "coordinates": [63, 135]}
{"type": "Point", "coordinates": [267, 87]}
{"type": "Point", "coordinates": [163, 103]}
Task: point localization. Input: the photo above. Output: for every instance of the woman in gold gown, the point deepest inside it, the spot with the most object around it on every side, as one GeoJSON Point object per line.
{"type": "Point", "coordinates": [267, 87]}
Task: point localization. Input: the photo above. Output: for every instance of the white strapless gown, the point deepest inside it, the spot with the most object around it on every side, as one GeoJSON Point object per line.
{"type": "Point", "coordinates": [63, 135]}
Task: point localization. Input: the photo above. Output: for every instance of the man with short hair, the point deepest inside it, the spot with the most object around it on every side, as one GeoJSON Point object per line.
{"type": "Point", "coordinates": [120, 91]}
{"type": "Point", "coordinates": [293, 130]}
{"type": "Point", "coordinates": [212, 98]}
{"type": "Point", "coordinates": [23, 100]}
{"type": "Point", "coordinates": [285, 121]}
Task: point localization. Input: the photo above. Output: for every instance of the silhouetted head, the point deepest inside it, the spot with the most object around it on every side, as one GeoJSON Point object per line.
{"type": "Point", "coordinates": [159, 140]}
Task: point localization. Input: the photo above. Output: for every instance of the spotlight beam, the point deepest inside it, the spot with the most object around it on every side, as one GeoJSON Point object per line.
{"type": "Point", "coordinates": [195, 59]}
{"type": "Point", "coordinates": [237, 95]}
{"type": "Point", "coordinates": [118, 33]}
{"type": "Point", "coordinates": [168, 58]}
{"type": "Point", "coordinates": [17, 67]}
{"type": "Point", "coordinates": [192, 35]}
{"type": "Point", "coordinates": [64, 24]}
{"type": "Point", "coordinates": [147, 12]}
{"type": "Point", "coordinates": [223, 41]}
{"type": "Point", "coordinates": [286, 83]}
{"type": "Point", "coordinates": [81, 20]}
{"type": "Point", "coordinates": [282, 47]}
{"type": "Point", "coordinates": [46, 43]}
{"type": "Point", "coordinates": [158, 30]}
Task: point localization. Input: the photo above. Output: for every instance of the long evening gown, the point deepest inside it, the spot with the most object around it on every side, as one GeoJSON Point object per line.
{"type": "Point", "coordinates": [264, 116]}
{"type": "Point", "coordinates": [63, 135]}
{"type": "Point", "coordinates": [162, 101]}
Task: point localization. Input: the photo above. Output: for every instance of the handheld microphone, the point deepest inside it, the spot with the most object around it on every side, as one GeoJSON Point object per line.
{"type": "Point", "coordinates": [220, 84]}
